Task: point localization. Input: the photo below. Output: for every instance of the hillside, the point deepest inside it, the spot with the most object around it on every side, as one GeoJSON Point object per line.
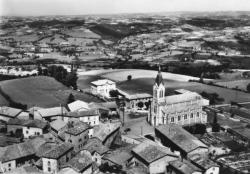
{"type": "Point", "coordinates": [39, 91]}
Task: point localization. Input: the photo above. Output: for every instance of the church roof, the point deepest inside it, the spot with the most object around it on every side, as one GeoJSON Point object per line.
{"type": "Point", "coordinates": [159, 78]}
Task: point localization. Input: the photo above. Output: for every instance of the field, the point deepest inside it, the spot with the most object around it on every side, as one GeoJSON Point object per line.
{"type": "Point", "coordinates": [143, 80]}
{"type": "Point", "coordinates": [40, 91]}
{"type": "Point", "coordinates": [240, 84]}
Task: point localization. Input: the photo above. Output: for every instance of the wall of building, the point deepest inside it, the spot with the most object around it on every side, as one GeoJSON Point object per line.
{"type": "Point", "coordinates": [31, 131]}
{"type": "Point", "coordinates": [50, 165]}
{"type": "Point", "coordinates": [8, 166]}
{"type": "Point", "coordinates": [103, 89]}
{"type": "Point", "coordinates": [199, 150]}
{"type": "Point", "coordinates": [91, 120]}
{"type": "Point", "coordinates": [78, 141]}
{"type": "Point", "coordinates": [160, 166]}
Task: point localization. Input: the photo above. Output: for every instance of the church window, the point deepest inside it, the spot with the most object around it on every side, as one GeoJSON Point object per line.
{"type": "Point", "coordinates": [185, 116]}
{"type": "Point", "coordinates": [179, 118]}
{"type": "Point", "coordinates": [191, 115]}
{"type": "Point", "coordinates": [198, 114]}
{"type": "Point", "coordinates": [172, 119]}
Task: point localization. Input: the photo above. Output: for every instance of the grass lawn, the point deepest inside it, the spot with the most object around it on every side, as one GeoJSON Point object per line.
{"type": "Point", "coordinates": [40, 91]}
{"type": "Point", "coordinates": [241, 84]}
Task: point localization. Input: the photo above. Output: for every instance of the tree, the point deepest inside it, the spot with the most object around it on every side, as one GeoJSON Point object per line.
{"type": "Point", "coordinates": [129, 77]}
{"type": "Point", "coordinates": [248, 87]}
{"type": "Point", "coordinates": [71, 80]}
{"type": "Point", "coordinates": [114, 93]}
{"type": "Point", "coordinates": [71, 98]}
{"type": "Point", "coordinates": [40, 71]}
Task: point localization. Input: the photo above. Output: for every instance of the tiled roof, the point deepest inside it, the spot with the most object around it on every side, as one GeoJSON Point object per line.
{"type": "Point", "coordinates": [28, 123]}
{"type": "Point", "coordinates": [180, 137]}
{"type": "Point", "coordinates": [50, 112]}
{"type": "Point", "coordinates": [104, 130]}
{"type": "Point", "coordinates": [79, 163]}
{"type": "Point", "coordinates": [9, 112]}
{"type": "Point", "coordinates": [87, 113]}
{"type": "Point", "coordinates": [58, 151]}
{"type": "Point", "coordinates": [202, 161]}
{"type": "Point", "coordinates": [20, 150]}
{"type": "Point", "coordinates": [185, 167]}
{"type": "Point", "coordinates": [78, 128]}
{"type": "Point", "coordinates": [95, 145]}
{"type": "Point", "coordinates": [150, 151]}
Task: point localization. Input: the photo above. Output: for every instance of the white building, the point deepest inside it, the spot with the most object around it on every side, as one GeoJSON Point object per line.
{"type": "Point", "coordinates": [184, 108]}
{"type": "Point", "coordinates": [34, 128]}
{"type": "Point", "coordinates": [78, 106]}
{"type": "Point", "coordinates": [102, 87]}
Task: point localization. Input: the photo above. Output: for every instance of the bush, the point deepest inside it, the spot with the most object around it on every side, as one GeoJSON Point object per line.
{"type": "Point", "coordinates": [129, 77]}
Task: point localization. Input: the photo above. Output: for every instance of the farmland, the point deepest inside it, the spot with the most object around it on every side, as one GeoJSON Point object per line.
{"type": "Point", "coordinates": [143, 80]}
{"type": "Point", "coordinates": [40, 91]}
{"type": "Point", "coordinates": [240, 84]}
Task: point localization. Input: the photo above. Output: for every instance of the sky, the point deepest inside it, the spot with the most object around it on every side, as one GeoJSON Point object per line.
{"type": "Point", "coordinates": [81, 7]}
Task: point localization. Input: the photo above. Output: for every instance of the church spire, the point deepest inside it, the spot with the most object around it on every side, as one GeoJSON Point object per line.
{"type": "Point", "coordinates": [159, 78]}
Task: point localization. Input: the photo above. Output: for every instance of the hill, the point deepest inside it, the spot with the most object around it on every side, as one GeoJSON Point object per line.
{"type": "Point", "coordinates": [39, 91]}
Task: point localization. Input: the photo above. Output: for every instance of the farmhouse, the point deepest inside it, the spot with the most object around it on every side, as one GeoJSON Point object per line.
{"type": "Point", "coordinates": [184, 108]}
{"type": "Point", "coordinates": [54, 158]}
{"type": "Point", "coordinates": [50, 114]}
{"type": "Point", "coordinates": [178, 139]}
{"type": "Point", "coordinates": [102, 87]}
{"type": "Point", "coordinates": [154, 157]}
{"type": "Point", "coordinates": [7, 113]}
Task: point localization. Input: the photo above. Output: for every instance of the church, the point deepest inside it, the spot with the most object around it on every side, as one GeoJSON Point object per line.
{"type": "Point", "coordinates": [183, 108]}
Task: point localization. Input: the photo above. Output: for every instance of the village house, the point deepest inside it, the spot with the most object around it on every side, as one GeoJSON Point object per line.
{"type": "Point", "coordinates": [90, 116]}
{"type": "Point", "coordinates": [102, 87]}
{"type": "Point", "coordinates": [95, 149]}
{"type": "Point", "coordinates": [58, 127]}
{"type": "Point", "coordinates": [7, 113]}
{"type": "Point", "coordinates": [29, 128]}
{"type": "Point", "coordinates": [78, 134]}
{"type": "Point", "coordinates": [80, 164]}
{"type": "Point", "coordinates": [154, 157]}
{"type": "Point", "coordinates": [16, 155]}
{"type": "Point", "coordinates": [56, 157]}
{"type": "Point", "coordinates": [50, 114]}
{"type": "Point", "coordinates": [183, 108]}
{"type": "Point", "coordinates": [183, 167]}
{"type": "Point", "coordinates": [178, 139]}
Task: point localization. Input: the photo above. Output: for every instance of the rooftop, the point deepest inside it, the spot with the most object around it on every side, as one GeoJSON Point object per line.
{"type": "Point", "coordinates": [179, 98]}
{"type": "Point", "coordinates": [9, 112]}
{"type": "Point", "coordinates": [202, 161]}
{"type": "Point", "coordinates": [87, 113]}
{"type": "Point", "coordinates": [180, 137]}
{"type": "Point", "coordinates": [95, 145]}
{"type": "Point", "coordinates": [28, 123]}
{"type": "Point", "coordinates": [102, 82]}
{"type": "Point", "coordinates": [77, 105]}
{"type": "Point", "coordinates": [150, 151]}
{"type": "Point", "coordinates": [58, 151]}
{"type": "Point", "coordinates": [77, 128]}
{"type": "Point", "coordinates": [50, 112]}
{"type": "Point", "coordinates": [185, 167]}
{"type": "Point", "coordinates": [57, 124]}
{"type": "Point", "coordinates": [79, 163]}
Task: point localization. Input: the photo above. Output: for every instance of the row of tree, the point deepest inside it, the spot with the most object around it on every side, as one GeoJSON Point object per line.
{"type": "Point", "coordinates": [60, 74]}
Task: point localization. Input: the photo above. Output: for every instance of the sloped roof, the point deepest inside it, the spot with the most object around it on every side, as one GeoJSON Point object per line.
{"type": "Point", "coordinates": [102, 82]}
{"type": "Point", "coordinates": [95, 145]}
{"type": "Point", "coordinates": [104, 130]}
{"type": "Point", "coordinates": [87, 113]}
{"type": "Point", "coordinates": [150, 151]}
{"type": "Point", "coordinates": [9, 112]}
{"type": "Point", "coordinates": [58, 124]}
{"type": "Point", "coordinates": [185, 167]}
{"type": "Point", "coordinates": [180, 98]}
{"type": "Point", "coordinates": [79, 163]}
{"type": "Point", "coordinates": [180, 137]}
{"type": "Point", "coordinates": [202, 161]}
{"type": "Point", "coordinates": [50, 112]}
{"type": "Point", "coordinates": [78, 104]}
{"type": "Point", "coordinates": [57, 151]}
{"type": "Point", "coordinates": [77, 128]}
{"type": "Point", "coordinates": [28, 123]}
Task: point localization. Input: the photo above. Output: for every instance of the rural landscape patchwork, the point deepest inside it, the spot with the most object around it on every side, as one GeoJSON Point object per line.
{"type": "Point", "coordinates": [125, 93]}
